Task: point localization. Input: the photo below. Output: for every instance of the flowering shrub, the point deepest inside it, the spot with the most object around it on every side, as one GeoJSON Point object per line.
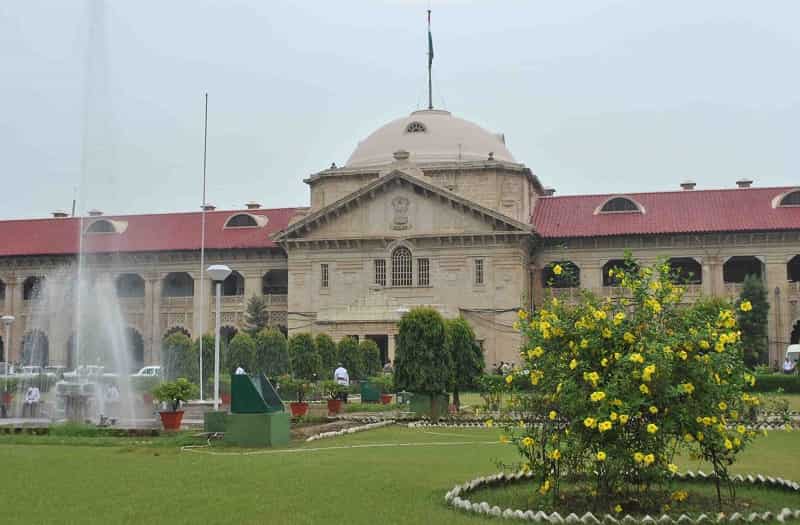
{"type": "Point", "coordinates": [609, 390]}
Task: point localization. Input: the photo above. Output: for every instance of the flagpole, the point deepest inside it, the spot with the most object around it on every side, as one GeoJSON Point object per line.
{"type": "Point", "coordinates": [203, 246]}
{"type": "Point", "coordinates": [430, 62]}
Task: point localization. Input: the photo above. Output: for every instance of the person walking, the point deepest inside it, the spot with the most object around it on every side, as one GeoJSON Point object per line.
{"type": "Point", "coordinates": [32, 398]}
{"type": "Point", "coordinates": [342, 378]}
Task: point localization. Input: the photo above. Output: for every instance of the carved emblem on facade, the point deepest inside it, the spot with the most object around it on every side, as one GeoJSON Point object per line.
{"type": "Point", "coordinates": [400, 206]}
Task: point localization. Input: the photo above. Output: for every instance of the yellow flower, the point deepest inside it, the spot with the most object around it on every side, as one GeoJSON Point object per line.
{"type": "Point", "coordinates": [704, 345]}
{"type": "Point", "coordinates": [597, 396]}
{"type": "Point", "coordinates": [643, 389]}
{"type": "Point", "coordinates": [604, 362]}
{"type": "Point", "coordinates": [605, 425]}
{"type": "Point", "coordinates": [601, 456]}
{"type": "Point", "coordinates": [700, 436]}
{"type": "Point", "coordinates": [527, 442]}
{"type": "Point", "coordinates": [600, 314]}
{"type": "Point", "coordinates": [683, 355]}
{"type": "Point", "coordinates": [629, 337]}
{"type": "Point", "coordinates": [573, 364]}
{"type": "Point", "coordinates": [618, 318]}
{"type": "Point", "coordinates": [618, 508]}
{"type": "Point", "coordinates": [741, 429]}
{"type": "Point", "coordinates": [590, 422]}
{"type": "Point", "coordinates": [536, 352]}
{"type": "Point", "coordinates": [522, 314]}
{"type": "Point", "coordinates": [728, 444]}
{"type": "Point", "coordinates": [653, 410]}
{"type": "Point", "coordinates": [723, 405]}
{"type": "Point", "coordinates": [673, 468]}
{"type": "Point", "coordinates": [649, 459]}
{"type": "Point", "coordinates": [687, 388]}
{"type": "Point", "coordinates": [680, 495]}
{"type": "Point", "coordinates": [652, 428]}
{"type": "Point", "coordinates": [489, 423]}
{"type": "Point", "coordinates": [688, 438]}
{"type": "Point", "coordinates": [746, 306]}
{"type": "Point", "coordinates": [545, 488]}
{"type": "Point", "coordinates": [509, 379]}
{"type": "Point", "coordinates": [504, 439]}
{"type": "Point", "coordinates": [638, 457]}
{"type": "Point", "coordinates": [613, 416]}
{"type": "Point", "coordinates": [606, 333]}
{"type": "Point", "coordinates": [636, 357]}
{"type": "Point", "coordinates": [557, 269]}
{"type": "Point", "coordinates": [552, 415]}
{"type": "Point", "coordinates": [555, 455]}
{"type": "Point", "coordinates": [623, 419]}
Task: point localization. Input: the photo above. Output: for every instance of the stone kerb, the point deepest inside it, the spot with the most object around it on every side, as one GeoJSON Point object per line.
{"type": "Point", "coordinates": [454, 499]}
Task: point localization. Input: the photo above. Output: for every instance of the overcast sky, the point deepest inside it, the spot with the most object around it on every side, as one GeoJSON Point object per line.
{"type": "Point", "coordinates": [614, 96]}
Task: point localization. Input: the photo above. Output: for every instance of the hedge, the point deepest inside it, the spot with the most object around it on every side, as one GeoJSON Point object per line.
{"type": "Point", "coordinates": [772, 382]}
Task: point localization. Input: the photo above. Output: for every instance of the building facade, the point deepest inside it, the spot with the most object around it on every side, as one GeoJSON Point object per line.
{"type": "Point", "coordinates": [429, 210]}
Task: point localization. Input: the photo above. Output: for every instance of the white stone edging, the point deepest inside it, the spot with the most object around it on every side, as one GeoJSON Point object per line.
{"type": "Point", "coordinates": [480, 424]}
{"type": "Point", "coordinates": [453, 498]}
{"type": "Point", "coordinates": [351, 430]}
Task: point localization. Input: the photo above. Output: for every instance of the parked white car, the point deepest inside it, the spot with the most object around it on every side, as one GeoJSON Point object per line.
{"type": "Point", "coordinates": [148, 371]}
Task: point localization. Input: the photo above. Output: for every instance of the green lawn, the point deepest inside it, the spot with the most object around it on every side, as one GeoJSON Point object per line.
{"type": "Point", "coordinates": [55, 479]}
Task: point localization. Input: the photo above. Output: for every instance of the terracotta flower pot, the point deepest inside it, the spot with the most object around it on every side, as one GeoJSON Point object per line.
{"type": "Point", "coordinates": [386, 399]}
{"type": "Point", "coordinates": [226, 399]}
{"type": "Point", "coordinates": [171, 420]}
{"type": "Point", "coordinates": [334, 406]}
{"type": "Point", "coordinates": [298, 409]}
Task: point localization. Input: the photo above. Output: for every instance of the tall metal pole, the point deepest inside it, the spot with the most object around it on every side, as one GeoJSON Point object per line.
{"type": "Point", "coordinates": [216, 346]}
{"type": "Point", "coordinates": [430, 62]}
{"type": "Point", "coordinates": [203, 247]}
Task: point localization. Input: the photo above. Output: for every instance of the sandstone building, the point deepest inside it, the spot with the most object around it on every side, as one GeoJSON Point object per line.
{"type": "Point", "coordinates": [431, 210]}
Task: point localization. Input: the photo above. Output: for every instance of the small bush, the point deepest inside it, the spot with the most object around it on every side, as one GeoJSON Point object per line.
{"type": "Point", "coordinates": [790, 384]}
{"type": "Point", "coordinates": [351, 357]}
{"type": "Point", "coordinates": [371, 355]}
{"type": "Point", "coordinates": [327, 354]}
{"type": "Point", "coordinates": [305, 359]}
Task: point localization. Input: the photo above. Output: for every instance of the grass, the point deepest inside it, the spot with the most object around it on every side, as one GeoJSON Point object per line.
{"type": "Point", "coordinates": [150, 480]}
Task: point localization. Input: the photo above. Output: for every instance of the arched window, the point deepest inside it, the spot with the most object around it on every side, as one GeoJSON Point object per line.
{"type": "Point", "coordinates": [793, 269]}
{"type": "Point", "coordinates": [416, 127]}
{"type": "Point", "coordinates": [2, 290]}
{"type": "Point", "coordinates": [35, 349]}
{"type": "Point", "coordinates": [794, 338]}
{"type": "Point", "coordinates": [569, 275]}
{"type": "Point", "coordinates": [609, 276]}
{"type": "Point", "coordinates": [402, 274]}
{"type": "Point", "coordinates": [737, 268]}
{"type": "Point", "coordinates": [177, 330]}
{"type": "Point", "coordinates": [130, 285]}
{"type": "Point", "coordinates": [233, 285]}
{"type": "Point", "coordinates": [32, 288]}
{"type": "Point", "coordinates": [226, 333]}
{"type": "Point", "coordinates": [177, 284]}
{"type": "Point", "coordinates": [275, 282]}
{"type": "Point", "coordinates": [791, 199]}
{"type": "Point", "coordinates": [136, 349]}
{"type": "Point", "coordinates": [101, 226]}
{"type": "Point", "coordinates": [618, 204]}
{"type": "Point", "coordinates": [242, 220]}
{"type": "Point", "coordinates": [685, 270]}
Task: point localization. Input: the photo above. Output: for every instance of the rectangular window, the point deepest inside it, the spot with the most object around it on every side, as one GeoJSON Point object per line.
{"type": "Point", "coordinates": [479, 272]}
{"type": "Point", "coordinates": [423, 272]}
{"type": "Point", "coordinates": [323, 275]}
{"type": "Point", "coordinates": [380, 272]}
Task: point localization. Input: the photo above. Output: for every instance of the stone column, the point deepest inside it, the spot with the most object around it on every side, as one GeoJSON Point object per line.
{"type": "Point", "coordinates": [390, 347]}
{"type": "Point", "coordinates": [152, 321]}
{"type": "Point", "coordinates": [777, 294]}
{"type": "Point", "coordinates": [252, 284]}
{"type": "Point", "coordinates": [592, 277]}
{"type": "Point", "coordinates": [708, 269]}
{"type": "Point", "coordinates": [197, 305]}
{"type": "Point", "coordinates": [17, 309]}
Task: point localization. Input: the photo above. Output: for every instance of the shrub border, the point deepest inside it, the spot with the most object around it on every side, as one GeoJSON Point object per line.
{"type": "Point", "coordinates": [453, 499]}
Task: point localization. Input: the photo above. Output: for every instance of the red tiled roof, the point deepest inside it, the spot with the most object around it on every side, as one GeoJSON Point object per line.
{"type": "Point", "coordinates": [144, 233]}
{"type": "Point", "coordinates": [729, 210]}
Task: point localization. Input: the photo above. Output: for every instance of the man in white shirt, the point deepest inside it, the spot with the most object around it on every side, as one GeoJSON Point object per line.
{"type": "Point", "coordinates": [341, 377]}
{"type": "Point", "coordinates": [788, 365]}
{"type": "Point", "coordinates": [239, 371]}
{"type": "Point", "coordinates": [32, 398]}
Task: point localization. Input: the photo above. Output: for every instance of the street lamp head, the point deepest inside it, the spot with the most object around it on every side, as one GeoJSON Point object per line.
{"type": "Point", "coordinates": [218, 272]}
{"type": "Point", "coordinates": [8, 320]}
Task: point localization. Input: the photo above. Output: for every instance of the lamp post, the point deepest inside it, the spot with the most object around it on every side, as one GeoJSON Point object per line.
{"type": "Point", "coordinates": [218, 273]}
{"type": "Point", "coordinates": [8, 320]}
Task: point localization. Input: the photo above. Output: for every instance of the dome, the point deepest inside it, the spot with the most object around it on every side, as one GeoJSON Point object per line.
{"type": "Point", "coordinates": [430, 135]}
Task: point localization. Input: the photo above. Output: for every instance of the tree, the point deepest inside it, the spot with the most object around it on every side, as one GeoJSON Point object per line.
{"type": "Point", "coordinates": [351, 357]}
{"type": "Point", "coordinates": [256, 317]}
{"type": "Point", "coordinates": [305, 359]}
{"type": "Point", "coordinates": [371, 355]}
{"type": "Point", "coordinates": [422, 362]}
{"type": "Point", "coordinates": [272, 353]}
{"type": "Point", "coordinates": [752, 317]}
{"type": "Point", "coordinates": [468, 362]}
{"type": "Point", "coordinates": [179, 358]}
{"type": "Point", "coordinates": [327, 353]}
{"type": "Point", "coordinates": [241, 352]}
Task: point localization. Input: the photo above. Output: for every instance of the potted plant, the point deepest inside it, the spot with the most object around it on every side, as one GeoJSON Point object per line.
{"type": "Point", "coordinates": [173, 393]}
{"type": "Point", "coordinates": [385, 384]}
{"type": "Point", "coordinates": [299, 389]}
{"type": "Point", "coordinates": [334, 391]}
{"type": "Point", "coordinates": [225, 389]}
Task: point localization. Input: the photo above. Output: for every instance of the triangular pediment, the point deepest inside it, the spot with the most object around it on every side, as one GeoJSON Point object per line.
{"type": "Point", "coordinates": [399, 205]}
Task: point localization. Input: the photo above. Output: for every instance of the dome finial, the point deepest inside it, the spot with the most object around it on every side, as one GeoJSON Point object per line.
{"type": "Point", "coordinates": [430, 62]}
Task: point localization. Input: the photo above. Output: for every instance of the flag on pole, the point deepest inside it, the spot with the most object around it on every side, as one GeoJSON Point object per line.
{"type": "Point", "coordinates": [430, 41]}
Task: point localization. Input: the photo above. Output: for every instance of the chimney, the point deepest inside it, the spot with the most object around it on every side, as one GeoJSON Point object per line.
{"type": "Point", "coordinates": [60, 214]}
{"type": "Point", "coordinates": [688, 185]}
{"type": "Point", "coordinates": [208, 207]}
{"type": "Point", "coordinates": [548, 192]}
{"type": "Point", "coordinates": [95, 213]}
{"type": "Point", "coordinates": [744, 183]}
{"type": "Point", "coordinates": [252, 205]}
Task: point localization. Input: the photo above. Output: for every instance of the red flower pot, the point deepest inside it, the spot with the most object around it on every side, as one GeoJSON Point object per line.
{"type": "Point", "coordinates": [386, 399]}
{"type": "Point", "coordinates": [171, 420]}
{"type": "Point", "coordinates": [334, 406]}
{"type": "Point", "coordinates": [8, 397]}
{"type": "Point", "coordinates": [226, 399]}
{"type": "Point", "coordinates": [298, 409]}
